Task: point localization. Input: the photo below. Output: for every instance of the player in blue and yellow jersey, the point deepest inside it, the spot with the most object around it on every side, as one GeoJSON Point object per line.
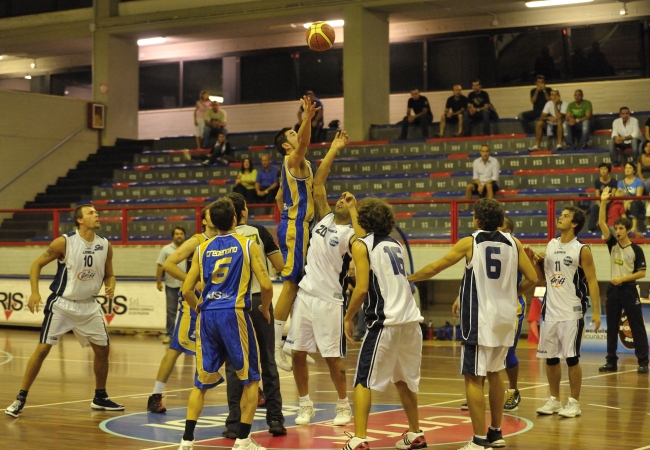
{"type": "Point", "coordinates": [296, 193]}
{"type": "Point", "coordinates": [224, 267]}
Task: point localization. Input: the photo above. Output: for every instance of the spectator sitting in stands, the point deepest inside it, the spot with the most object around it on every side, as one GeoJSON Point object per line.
{"type": "Point", "coordinates": [479, 108]}
{"type": "Point", "coordinates": [578, 120]}
{"type": "Point", "coordinates": [317, 121]}
{"type": "Point", "coordinates": [552, 117]}
{"type": "Point", "coordinates": [539, 95]}
{"type": "Point", "coordinates": [646, 129]}
{"type": "Point", "coordinates": [600, 183]}
{"type": "Point", "coordinates": [422, 115]}
{"type": "Point", "coordinates": [625, 135]}
{"type": "Point", "coordinates": [215, 123]}
{"type": "Point", "coordinates": [221, 153]}
{"type": "Point", "coordinates": [486, 176]}
{"type": "Point", "coordinates": [202, 105]}
{"type": "Point", "coordinates": [267, 181]}
{"type": "Point", "coordinates": [454, 108]}
{"type": "Point", "coordinates": [632, 186]}
{"type": "Point", "coordinates": [643, 167]}
{"type": "Point", "coordinates": [245, 183]}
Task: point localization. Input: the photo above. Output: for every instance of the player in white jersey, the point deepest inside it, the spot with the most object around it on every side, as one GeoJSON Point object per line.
{"type": "Point", "coordinates": [320, 294]}
{"type": "Point", "coordinates": [84, 264]}
{"type": "Point", "coordinates": [391, 351]}
{"type": "Point", "coordinates": [568, 269]}
{"type": "Point", "coordinates": [488, 312]}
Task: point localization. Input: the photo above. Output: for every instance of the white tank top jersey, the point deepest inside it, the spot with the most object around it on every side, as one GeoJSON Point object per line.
{"type": "Point", "coordinates": [566, 284]}
{"type": "Point", "coordinates": [389, 300]}
{"type": "Point", "coordinates": [328, 260]}
{"type": "Point", "coordinates": [488, 292]}
{"type": "Point", "coordinates": [80, 273]}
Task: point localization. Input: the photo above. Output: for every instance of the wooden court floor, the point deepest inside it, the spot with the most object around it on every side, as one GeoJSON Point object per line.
{"type": "Point", "coordinates": [615, 407]}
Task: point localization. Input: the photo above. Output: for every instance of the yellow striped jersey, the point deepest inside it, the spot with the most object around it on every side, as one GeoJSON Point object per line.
{"type": "Point", "coordinates": [297, 194]}
{"type": "Point", "coordinates": [225, 272]}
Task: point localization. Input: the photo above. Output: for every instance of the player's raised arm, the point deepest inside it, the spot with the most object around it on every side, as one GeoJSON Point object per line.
{"type": "Point", "coordinates": [180, 254]}
{"type": "Point", "coordinates": [602, 213]}
{"type": "Point", "coordinates": [351, 203]}
{"type": "Point", "coordinates": [56, 250]}
{"type": "Point", "coordinates": [463, 248]}
{"type": "Point", "coordinates": [304, 133]}
{"type": "Point", "coordinates": [320, 193]}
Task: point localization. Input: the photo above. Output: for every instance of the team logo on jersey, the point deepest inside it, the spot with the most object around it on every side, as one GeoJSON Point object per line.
{"type": "Point", "coordinates": [629, 256]}
{"type": "Point", "coordinates": [332, 229]}
{"type": "Point", "coordinates": [217, 295]}
{"type": "Point", "coordinates": [99, 247]}
{"type": "Point", "coordinates": [86, 275]}
{"type": "Point", "coordinates": [557, 280]}
{"type": "Point", "coordinates": [334, 241]}
{"type": "Point", "coordinates": [567, 261]}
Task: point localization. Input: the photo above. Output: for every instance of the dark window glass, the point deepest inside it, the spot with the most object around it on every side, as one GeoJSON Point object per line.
{"type": "Point", "coordinates": [72, 84]}
{"type": "Point", "coordinates": [159, 86]}
{"type": "Point", "coordinates": [321, 72]}
{"type": "Point", "coordinates": [406, 66]}
{"type": "Point", "coordinates": [606, 50]}
{"type": "Point", "coordinates": [269, 77]}
{"type": "Point", "coordinates": [12, 8]}
{"type": "Point", "coordinates": [199, 75]}
{"type": "Point", "coordinates": [459, 61]}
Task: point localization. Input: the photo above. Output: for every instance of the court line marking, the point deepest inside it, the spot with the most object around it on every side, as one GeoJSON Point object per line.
{"type": "Point", "coordinates": [9, 357]}
{"type": "Point", "coordinates": [643, 448]}
{"type": "Point", "coordinates": [603, 406]}
{"type": "Point", "coordinates": [90, 399]}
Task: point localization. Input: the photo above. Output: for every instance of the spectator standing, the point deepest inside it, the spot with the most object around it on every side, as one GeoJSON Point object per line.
{"type": "Point", "coordinates": [625, 135]}
{"type": "Point", "coordinates": [454, 109]}
{"type": "Point", "coordinates": [422, 115]}
{"type": "Point", "coordinates": [245, 182]}
{"type": "Point", "coordinates": [267, 181]}
{"type": "Point", "coordinates": [172, 285]}
{"type": "Point", "coordinates": [539, 95]}
{"type": "Point", "coordinates": [604, 180]}
{"type": "Point", "coordinates": [627, 264]}
{"type": "Point", "coordinates": [317, 121]}
{"type": "Point", "coordinates": [552, 117]}
{"type": "Point", "coordinates": [479, 108]}
{"type": "Point", "coordinates": [486, 176]}
{"type": "Point", "coordinates": [632, 186]}
{"type": "Point", "coordinates": [578, 120]}
{"type": "Point", "coordinates": [202, 105]}
{"type": "Point", "coordinates": [215, 122]}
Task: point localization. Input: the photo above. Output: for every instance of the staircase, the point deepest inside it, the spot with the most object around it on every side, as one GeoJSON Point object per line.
{"type": "Point", "coordinates": [76, 186]}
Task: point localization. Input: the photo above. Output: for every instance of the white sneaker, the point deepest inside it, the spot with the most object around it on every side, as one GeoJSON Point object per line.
{"type": "Point", "coordinates": [473, 446]}
{"type": "Point", "coordinates": [186, 155]}
{"type": "Point", "coordinates": [552, 406]}
{"type": "Point", "coordinates": [281, 360]}
{"type": "Point", "coordinates": [247, 444]}
{"type": "Point", "coordinates": [287, 351]}
{"type": "Point", "coordinates": [343, 415]}
{"type": "Point", "coordinates": [411, 441]}
{"type": "Point", "coordinates": [186, 445]}
{"type": "Point", "coordinates": [534, 148]}
{"type": "Point", "coordinates": [305, 414]}
{"type": "Point", "coordinates": [571, 409]}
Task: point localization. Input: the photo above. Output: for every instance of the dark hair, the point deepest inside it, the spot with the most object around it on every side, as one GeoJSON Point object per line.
{"type": "Point", "coordinates": [579, 90]}
{"type": "Point", "coordinates": [623, 221]}
{"type": "Point", "coordinates": [622, 108]}
{"type": "Point", "coordinates": [376, 216]}
{"type": "Point", "coordinates": [204, 214]}
{"type": "Point", "coordinates": [477, 81]}
{"type": "Point", "coordinates": [250, 164]}
{"type": "Point", "coordinates": [221, 213]}
{"type": "Point", "coordinates": [631, 164]}
{"type": "Point", "coordinates": [415, 89]}
{"type": "Point", "coordinates": [309, 92]}
{"type": "Point", "coordinates": [608, 165]}
{"type": "Point", "coordinates": [489, 214]}
{"type": "Point", "coordinates": [578, 218]}
{"type": "Point", "coordinates": [179, 228]}
{"type": "Point", "coordinates": [645, 144]}
{"type": "Point", "coordinates": [239, 202]}
{"type": "Point", "coordinates": [540, 77]}
{"type": "Point", "coordinates": [79, 214]}
{"type": "Point", "coordinates": [508, 224]}
{"type": "Point", "coordinates": [281, 138]}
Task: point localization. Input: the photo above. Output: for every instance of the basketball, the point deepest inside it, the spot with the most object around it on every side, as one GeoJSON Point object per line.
{"type": "Point", "coordinates": [320, 36]}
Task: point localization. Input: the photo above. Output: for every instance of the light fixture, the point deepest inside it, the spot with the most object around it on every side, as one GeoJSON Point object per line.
{"type": "Point", "coordinates": [623, 10]}
{"type": "Point", "coordinates": [28, 77]}
{"type": "Point", "coordinates": [332, 23]}
{"type": "Point", "coordinates": [216, 98]}
{"type": "Point", "coordinates": [495, 21]}
{"type": "Point", "coordinates": [1, 56]}
{"type": "Point", "coordinates": [151, 41]}
{"type": "Point", "coordinates": [33, 64]}
{"type": "Point", "coordinates": [541, 3]}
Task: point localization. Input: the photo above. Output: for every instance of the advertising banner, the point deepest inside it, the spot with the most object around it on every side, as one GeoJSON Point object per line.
{"type": "Point", "coordinates": [597, 341]}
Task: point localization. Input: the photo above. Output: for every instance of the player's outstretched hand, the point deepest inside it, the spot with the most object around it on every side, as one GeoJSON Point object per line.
{"type": "Point", "coordinates": [308, 107]}
{"type": "Point", "coordinates": [349, 331]}
{"type": "Point", "coordinates": [350, 200]}
{"type": "Point", "coordinates": [530, 253]}
{"type": "Point", "coordinates": [605, 194]}
{"type": "Point", "coordinates": [34, 301]}
{"type": "Point", "coordinates": [539, 257]}
{"type": "Point", "coordinates": [265, 313]}
{"type": "Point", "coordinates": [109, 291]}
{"type": "Point", "coordinates": [340, 140]}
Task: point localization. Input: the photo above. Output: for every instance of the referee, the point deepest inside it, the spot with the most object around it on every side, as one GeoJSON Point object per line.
{"type": "Point", "coordinates": [627, 264]}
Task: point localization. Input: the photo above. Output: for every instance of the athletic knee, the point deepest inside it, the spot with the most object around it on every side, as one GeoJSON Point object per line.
{"type": "Point", "coordinates": [299, 356]}
{"type": "Point", "coordinates": [42, 350]}
{"type": "Point", "coordinates": [573, 361]}
{"type": "Point", "coordinates": [101, 351]}
{"type": "Point", "coordinates": [552, 361]}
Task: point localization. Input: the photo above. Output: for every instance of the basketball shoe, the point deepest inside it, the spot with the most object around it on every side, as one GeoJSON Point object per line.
{"type": "Point", "coordinates": [495, 438]}
{"type": "Point", "coordinates": [571, 409]}
{"type": "Point", "coordinates": [281, 360]}
{"type": "Point", "coordinates": [186, 445]}
{"type": "Point", "coordinates": [355, 443]}
{"type": "Point", "coordinates": [247, 444]}
{"type": "Point", "coordinates": [16, 407]}
{"type": "Point", "coordinates": [106, 404]}
{"type": "Point", "coordinates": [411, 441]}
{"type": "Point", "coordinates": [306, 413]}
{"type": "Point", "coordinates": [476, 444]}
{"type": "Point", "coordinates": [512, 400]}
{"type": "Point", "coordinates": [552, 406]}
{"type": "Point", "coordinates": [343, 415]}
{"type": "Point", "coordinates": [154, 404]}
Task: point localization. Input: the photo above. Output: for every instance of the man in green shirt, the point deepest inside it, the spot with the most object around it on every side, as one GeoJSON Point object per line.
{"type": "Point", "coordinates": [578, 120]}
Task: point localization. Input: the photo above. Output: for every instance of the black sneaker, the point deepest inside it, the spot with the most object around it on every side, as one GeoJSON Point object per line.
{"type": "Point", "coordinates": [230, 434]}
{"type": "Point", "coordinates": [106, 404]}
{"type": "Point", "coordinates": [512, 400]}
{"type": "Point", "coordinates": [16, 407]}
{"type": "Point", "coordinates": [276, 428]}
{"type": "Point", "coordinates": [609, 367]}
{"type": "Point", "coordinates": [495, 438]}
{"type": "Point", "coordinates": [641, 369]}
{"type": "Point", "coordinates": [154, 404]}
{"type": "Point", "coordinates": [464, 407]}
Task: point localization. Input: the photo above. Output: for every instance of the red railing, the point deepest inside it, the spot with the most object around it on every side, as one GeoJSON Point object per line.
{"type": "Point", "coordinates": [551, 205]}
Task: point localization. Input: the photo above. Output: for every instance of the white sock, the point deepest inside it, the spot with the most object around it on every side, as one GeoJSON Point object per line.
{"type": "Point", "coordinates": [279, 327]}
{"type": "Point", "coordinates": [304, 399]}
{"type": "Point", "coordinates": [343, 401]}
{"type": "Point", "coordinates": [158, 387]}
{"type": "Point", "coordinates": [494, 429]}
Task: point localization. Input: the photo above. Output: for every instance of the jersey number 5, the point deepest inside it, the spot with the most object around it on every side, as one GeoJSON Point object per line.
{"type": "Point", "coordinates": [493, 266]}
{"type": "Point", "coordinates": [396, 260]}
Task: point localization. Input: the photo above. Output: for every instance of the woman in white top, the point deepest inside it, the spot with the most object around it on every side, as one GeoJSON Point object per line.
{"type": "Point", "coordinates": [202, 105]}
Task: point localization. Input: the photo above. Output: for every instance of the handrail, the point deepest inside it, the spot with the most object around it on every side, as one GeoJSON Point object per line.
{"type": "Point", "coordinates": [42, 157]}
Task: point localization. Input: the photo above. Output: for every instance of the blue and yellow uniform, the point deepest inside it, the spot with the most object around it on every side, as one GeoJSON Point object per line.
{"type": "Point", "coordinates": [511, 357]}
{"type": "Point", "coordinates": [224, 328]}
{"type": "Point", "coordinates": [297, 216]}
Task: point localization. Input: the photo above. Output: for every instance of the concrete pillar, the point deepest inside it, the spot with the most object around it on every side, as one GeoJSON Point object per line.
{"type": "Point", "coordinates": [115, 84]}
{"type": "Point", "coordinates": [106, 8]}
{"type": "Point", "coordinates": [230, 80]}
{"type": "Point", "coordinates": [366, 71]}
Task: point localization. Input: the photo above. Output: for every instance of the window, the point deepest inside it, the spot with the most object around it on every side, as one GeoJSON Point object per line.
{"type": "Point", "coordinates": [406, 66]}
{"type": "Point", "coordinates": [77, 84]}
{"type": "Point", "coordinates": [199, 75]}
{"type": "Point", "coordinates": [321, 72]}
{"type": "Point", "coordinates": [459, 61]}
{"type": "Point", "coordinates": [13, 8]}
{"type": "Point", "coordinates": [159, 86]}
{"type": "Point", "coordinates": [269, 77]}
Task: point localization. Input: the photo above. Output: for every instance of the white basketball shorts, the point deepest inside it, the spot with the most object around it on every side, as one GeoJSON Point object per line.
{"type": "Point", "coordinates": [83, 317]}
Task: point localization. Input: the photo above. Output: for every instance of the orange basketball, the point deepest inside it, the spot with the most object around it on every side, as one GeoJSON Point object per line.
{"type": "Point", "coordinates": [320, 36]}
